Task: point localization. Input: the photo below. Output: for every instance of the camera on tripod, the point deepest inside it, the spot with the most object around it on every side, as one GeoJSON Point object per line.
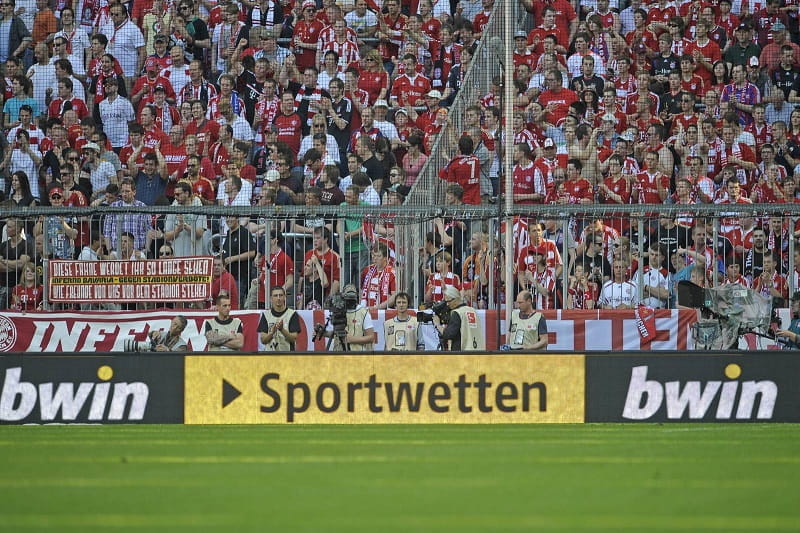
{"type": "Point", "coordinates": [440, 309]}
{"type": "Point", "coordinates": [338, 305]}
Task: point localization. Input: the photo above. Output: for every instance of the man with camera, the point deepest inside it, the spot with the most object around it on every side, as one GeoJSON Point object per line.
{"type": "Point", "coordinates": [463, 330]}
{"type": "Point", "coordinates": [279, 326]}
{"type": "Point", "coordinates": [528, 328]}
{"type": "Point", "coordinates": [224, 332]}
{"type": "Point", "coordinates": [162, 341]}
{"type": "Point", "coordinates": [349, 323]}
{"type": "Point", "coordinates": [401, 332]}
{"type": "Point", "coordinates": [792, 334]}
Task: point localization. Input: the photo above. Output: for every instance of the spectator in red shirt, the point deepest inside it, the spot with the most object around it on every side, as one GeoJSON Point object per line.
{"type": "Point", "coordinates": [465, 169]}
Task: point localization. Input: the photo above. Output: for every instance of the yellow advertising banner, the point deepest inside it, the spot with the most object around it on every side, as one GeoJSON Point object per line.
{"type": "Point", "coordinates": [384, 389]}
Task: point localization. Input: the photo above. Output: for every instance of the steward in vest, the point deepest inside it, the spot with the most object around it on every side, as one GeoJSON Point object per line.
{"type": "Point", "coordinates": [279, 325]}
{"type": "Point", "coordinates": [464, 330]}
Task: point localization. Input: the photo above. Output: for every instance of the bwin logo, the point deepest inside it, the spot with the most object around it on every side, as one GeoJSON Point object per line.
{"type": "Point", "coordinates": [18, 398]}
{"type": "Point", "coordinates": [645, 397]}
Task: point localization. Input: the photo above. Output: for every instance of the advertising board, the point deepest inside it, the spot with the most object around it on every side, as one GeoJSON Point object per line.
{"type": "Point", "coordinates": [83, 389]}
{"type": "Point", "coordinates": [384, 389]}
{"type": "Point", "coordinates": [748, 387]}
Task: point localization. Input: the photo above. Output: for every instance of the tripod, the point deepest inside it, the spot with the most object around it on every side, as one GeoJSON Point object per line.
{"type": "Point", "coordinates": [341, 335]}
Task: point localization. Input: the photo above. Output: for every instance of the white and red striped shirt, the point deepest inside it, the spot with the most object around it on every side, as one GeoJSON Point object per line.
{"type": "Point", "coordinates": [438, 282]}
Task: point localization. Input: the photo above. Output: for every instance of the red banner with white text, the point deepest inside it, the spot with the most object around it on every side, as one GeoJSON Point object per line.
{"type": "Point", "coordinates": [186, 279]}
{"type": "Point", "coordinates": [569, 331]}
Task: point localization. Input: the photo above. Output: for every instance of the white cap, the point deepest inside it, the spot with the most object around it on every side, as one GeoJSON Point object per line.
{"type": "Point", "coordinates": [272, 175]}
{"type": "Point", "coordinates": [451, 292]}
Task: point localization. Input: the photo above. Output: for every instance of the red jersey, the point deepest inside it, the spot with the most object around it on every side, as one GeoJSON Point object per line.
{"type": "Point", "coordinates": [280, 266]}
{"type": "Point", "coordinates": [578, 190]}
{"type": "Point", "coordinates": [308, 33]}
{"type": "Point", "coordinates": [466, 171]}
{"type": "Point", "coordinates": [155, 137]}
{"type": "Point", "coordinates": [372, 83]}
{"type": "Point", "coordinates": [202, 188]}
{"type": "Point", "coordinates": [562, 100]}
{"type": "Point", "coordinates": [330, 265]}
{"type": "Point", "coordinates": [524, 181]}
{"type": "Point", "coordinates": [27, 298]}
{"type": "Point", "coordinates": [57, 107]}
{"type": "Point", "coordinates": [206, 131]}
{"type": "Point", "coordinates": [144, 82]}
{"type": "Point", "coordinates": [711, 52]}
{"type": "Point", "coordinates": [290, 128]}
{"type": "Point", "coordinates": [647, 185]}
{"type": "Point", "coordinates": [125, 154]}
{"type": "Point", "coordinates": [545, 248]}
{"type": "Point", "coordinates": [408, 91]}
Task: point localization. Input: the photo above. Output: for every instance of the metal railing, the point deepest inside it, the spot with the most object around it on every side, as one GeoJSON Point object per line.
{"type": "Point", "coordinates": [465, 236]}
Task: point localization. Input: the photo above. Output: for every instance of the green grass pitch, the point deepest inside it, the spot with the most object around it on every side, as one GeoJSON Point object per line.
{"type": "Point", "coordinates": [640, 478]}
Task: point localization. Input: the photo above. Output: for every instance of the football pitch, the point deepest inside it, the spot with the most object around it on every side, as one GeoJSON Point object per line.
{"type": "Point", "coordinates": [649, 478]}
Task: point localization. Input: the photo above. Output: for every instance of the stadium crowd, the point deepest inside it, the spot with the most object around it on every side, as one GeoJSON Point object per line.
{"type": "Point", "coordinates": [260, 103]}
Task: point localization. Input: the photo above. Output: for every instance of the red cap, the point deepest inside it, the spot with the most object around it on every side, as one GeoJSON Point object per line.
{"type": "Point", "coordinates": [151, 63]}
{"type": "Point", "coordinates": [57, 190]}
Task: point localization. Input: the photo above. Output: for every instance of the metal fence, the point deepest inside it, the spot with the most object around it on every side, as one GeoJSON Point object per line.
{"type": "Point", "coordinates": [487, 63]}
{"type": "Point", "coordinates": [431, 248]}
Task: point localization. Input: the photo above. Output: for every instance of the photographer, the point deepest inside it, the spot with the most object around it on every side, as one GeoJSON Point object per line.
{"type": "Point", "coordinates": [401, 332]}
{"type": "Point", "coordinates": [348, 321]}
{"type": "Point", "coordinates": [170, 340]}
{"type": "Point", "coordinates": [792, 335]}
{"type": "Point", "coordinates": [279, 326]}
{"type": "Point", "coordinates": [463, 328]}
{"type": "Point", "coordinates": [528, 328]}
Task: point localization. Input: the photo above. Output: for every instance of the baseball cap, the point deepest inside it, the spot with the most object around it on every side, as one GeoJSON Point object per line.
{"type": "Point", "coordinates": [627, 136]}
{"type": "Point", "coordinates": [548, 143]}
{"type": "Point", "coordinates": [520, 33]}
{"type": "Point", "coordinates": [434, 94]}
{"type": "Point", "coordinates": [743, 26]}
{"type": "Point", "coordinates": [778, 26]}
{"type": "Point", "coordinates": [753, 62]}
{"type": "Point", "coordinates": [161, 37]}
{"type": "Point", "coordinates": [451, 292]}
{"type": "Point", "coordinates": [309, 3]}
{"type": "Point", "coordinates": [160, 87]}
{"type": "Point", "coordinates": [272, 175]}
{"type": "Point", "coordinates": [401, 110]}
{"type": "Point", "coordinates": [91, 146]}
{"type": "Point", "coordinates": [640, 48]}
{"type": "Point", "coordinates": [381, 103]}
{"type": "Point", "coordinates": [151, 63]}
{"type": "Point", "coordinates": [56, 190]}
{"type": "Point", "coordinates": [609, 117]}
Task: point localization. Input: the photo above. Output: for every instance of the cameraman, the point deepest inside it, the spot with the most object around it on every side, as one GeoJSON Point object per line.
{"type": "Point", "coordinates": [463, 328]}
{"type": "Point", "coordinates": [170, 340]}
{"type": "Point", "coordinates": [792, 335]}
{"type": "Point", "coordinates": [360, 332]}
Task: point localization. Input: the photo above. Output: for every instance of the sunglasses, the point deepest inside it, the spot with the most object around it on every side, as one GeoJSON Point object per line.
{"type": "Point", "coordinates": [56, 197]}
{"type": "Point", "coordinates": [73, 159]}
{"type": "Point", "coordinates": [164, 252]}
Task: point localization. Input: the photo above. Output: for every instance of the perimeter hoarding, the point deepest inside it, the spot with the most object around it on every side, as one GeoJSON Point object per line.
{"type": "Point", "coordinates": [91, 390]}
{"type": "Point", "coordinates": [384, 389]}
{"type": "Point", "coordinates": [732, 387]}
